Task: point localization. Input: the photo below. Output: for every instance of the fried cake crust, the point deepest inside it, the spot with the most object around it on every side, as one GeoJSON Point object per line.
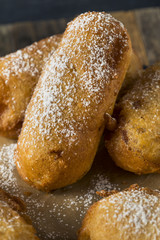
{"type": "Point", "coordinates": [13, 223]}
{"type": "Point", "coordinates": [132, 214]}
{"type": "Point", "coordinates": [19, 74]}
{"type": "Point", "coordinates": [65, 117]}
{"type": "Point", "coordinates": [21, 78]}
{"type": "Point", "coordinates": [134, 145]}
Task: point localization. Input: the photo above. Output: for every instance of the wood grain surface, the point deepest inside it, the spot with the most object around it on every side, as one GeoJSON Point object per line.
{"type": "Point", "coordinates": [143, 26]}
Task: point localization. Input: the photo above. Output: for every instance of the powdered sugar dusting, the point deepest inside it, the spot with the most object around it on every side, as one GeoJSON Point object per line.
{"type": "Point", "coordinates": [147, 99]}
{"type": "Point", "coordinates": [73, 84]}
{"type": "Point", "coordinates": [29, 60]}
{"type": "Point", "coordinates": [68, 207]}
{"type": "Point", "coordinates": [137, 209]}
{"type": "Point", "coordinates": [19, 74]}
{"type": "Point", "coordinates": [7, 167]}
{"type": "Point", "coordinates": [19, 62]}
{"type": "Point", "coordinates": [63, 210]}
{"type": "Point", "coordinates": [140, 108]}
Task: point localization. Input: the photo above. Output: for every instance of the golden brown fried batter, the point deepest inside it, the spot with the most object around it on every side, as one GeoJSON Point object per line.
{"type": "Point", "coordinates": [19, 73]}
{"type": "Point", "coordinates": [133, 214]}
{"type": "Point", "coordinates": [135, 144]}
{"type": "Point", "coordinates": [65, 117]}
{"type": "Point", "coordinates": [12, 223]}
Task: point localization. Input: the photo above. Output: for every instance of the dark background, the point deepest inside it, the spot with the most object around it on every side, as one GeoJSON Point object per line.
{"type": "Point", "coordinates": [26, 10]}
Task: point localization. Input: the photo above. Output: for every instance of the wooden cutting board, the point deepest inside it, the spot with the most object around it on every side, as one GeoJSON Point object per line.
{"type": "Point", "coordinates": [143, 26]}
{"type": "Point", "coordinates": [58, 215]}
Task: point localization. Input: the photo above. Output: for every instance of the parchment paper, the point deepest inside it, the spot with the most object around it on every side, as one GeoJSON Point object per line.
{"type": "Point", "coordinates": [58, 215]}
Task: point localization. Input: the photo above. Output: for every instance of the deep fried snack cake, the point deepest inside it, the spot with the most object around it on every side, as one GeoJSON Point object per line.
{"type": "Point", "coordinates": [13, 225]}
{"type": "Point", "coordinates": [65, 117]}
{"type": "Point", "coordinates": [19, 73]}
{"type": "Point", "coordinates": [135, 144]}
{"type": "Point", "coordinates": [133, 214]}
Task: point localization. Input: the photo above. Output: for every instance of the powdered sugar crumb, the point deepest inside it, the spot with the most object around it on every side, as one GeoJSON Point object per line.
{"type": "Point", "coordinates": [61, 208]}
{"type": "Point", "coordinates": [136, 209]}
{"type": "Point", "coordinates": [147, 99]}
{"type": "Point", "coordinates": [7, 167]}
{"type": "Point", "coordinates": [64, 98]}
{"type": "Point", "coordinates": [28, 61]}
{"type": "Point", "coordinates": [140, 116]}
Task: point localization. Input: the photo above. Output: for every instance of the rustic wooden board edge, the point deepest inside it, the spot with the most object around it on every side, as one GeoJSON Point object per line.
{"type": "Point", "coordinates": [149, 25]}
{"type": "Point", "coordinates": [60, 20]}
{"type": "Point", "coordinates": [129, 21]}
{"type": "Point", "coordinates": [18, 35]}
